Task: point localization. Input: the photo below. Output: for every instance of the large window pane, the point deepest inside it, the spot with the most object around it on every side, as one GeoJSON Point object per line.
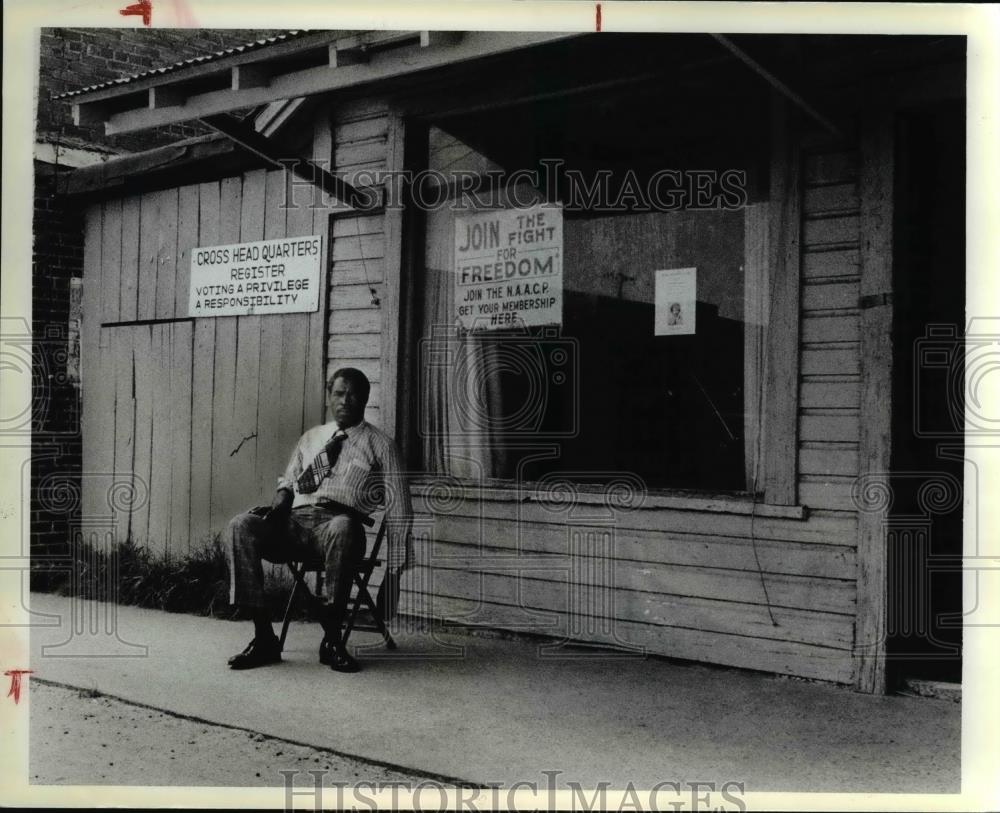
{"type": "Point", "coordinates": [602, 392]}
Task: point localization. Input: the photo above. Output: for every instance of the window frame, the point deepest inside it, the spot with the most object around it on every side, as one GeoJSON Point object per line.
{"type": "Point", "coordinates": [777, 493]}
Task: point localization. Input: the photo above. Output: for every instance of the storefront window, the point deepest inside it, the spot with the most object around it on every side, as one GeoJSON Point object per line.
{"type": "Point", "coordinates": [649, 362]}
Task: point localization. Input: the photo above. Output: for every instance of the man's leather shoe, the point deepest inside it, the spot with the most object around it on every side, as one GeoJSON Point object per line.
{"type": "Point", "coordinates": [258, 653]}
{"type": "Point", "coordinates": [337, 657]}
{"type": "Point", "coordinates": [342, 661]}
{"type": "Point", "coordinates": [325, 651]}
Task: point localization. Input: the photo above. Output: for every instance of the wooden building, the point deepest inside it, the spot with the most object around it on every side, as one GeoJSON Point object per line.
{"type": "Point", "coordinates": [719, 494]}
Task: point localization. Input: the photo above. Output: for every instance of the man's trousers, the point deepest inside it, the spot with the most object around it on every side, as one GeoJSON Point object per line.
{"type": "Point", "coordinates": [311, 534]}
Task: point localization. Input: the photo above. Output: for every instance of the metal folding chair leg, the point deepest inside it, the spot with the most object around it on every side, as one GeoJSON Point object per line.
{"type": "Point", "coordinates": [298, 574]}
{"type": "Point", "coordinates": [363, 600]}
{"type": "Point", "coordinates": [360, 599]}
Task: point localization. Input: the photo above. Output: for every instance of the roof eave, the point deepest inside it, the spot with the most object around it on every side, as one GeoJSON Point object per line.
{"type": "Point", "coordinates": [305, 66]}
{"type": "Point", "coordinates": [121, 172]}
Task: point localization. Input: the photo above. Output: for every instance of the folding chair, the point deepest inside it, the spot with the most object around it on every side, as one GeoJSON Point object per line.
{"type": "Point", "coordinates": [360, 599]}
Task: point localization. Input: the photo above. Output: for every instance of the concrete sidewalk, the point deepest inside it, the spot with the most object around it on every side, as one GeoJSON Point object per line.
{"type": "Point", "coordinates": [487, 710]}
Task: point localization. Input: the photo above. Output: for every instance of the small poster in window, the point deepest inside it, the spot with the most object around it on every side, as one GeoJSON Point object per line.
{"type": "Point", "coordinates": [675, 299]}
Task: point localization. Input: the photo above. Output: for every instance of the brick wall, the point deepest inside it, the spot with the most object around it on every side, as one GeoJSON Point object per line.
{"type": "Point", "coordinates": [55, 441]}
{"type": "Point", "coordinates": [72, 58]}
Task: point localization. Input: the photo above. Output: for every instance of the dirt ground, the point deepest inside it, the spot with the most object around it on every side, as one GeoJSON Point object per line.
{"type": "Point", "coordinates": [81, 738]}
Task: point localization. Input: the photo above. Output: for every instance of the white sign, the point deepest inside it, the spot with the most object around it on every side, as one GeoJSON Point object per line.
{"type": "Point", "coordinates": [269, 276]}
{"type": "Point", "coordinates": [508, 268]}
{"type": "Point", "coordinates": [675, 298]}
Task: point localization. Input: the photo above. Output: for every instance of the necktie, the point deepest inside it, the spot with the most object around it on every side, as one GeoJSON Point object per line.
{"type": "Point", "coordinates": [322, 464]}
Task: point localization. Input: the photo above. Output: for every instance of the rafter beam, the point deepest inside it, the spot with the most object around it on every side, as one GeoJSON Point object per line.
{"type": "Point", "coordinates": [777, 84]}
{"type": "Point", "coordinates": [208, 67]}
{"type": "Point", "coordinates": [429, 39]}
{"type": "Point", "coordinates": [87, 115]}
{"type": "Point", "coordinates": [405, 57]}
{"type": "Point", "coordinates": [166, 96]}
{"type": "Point", "coordinates": [341, 57]}
{"type": "Point", "coordinates": [251, 140]}
{"type": "Point", "coordinates": [254, 75]}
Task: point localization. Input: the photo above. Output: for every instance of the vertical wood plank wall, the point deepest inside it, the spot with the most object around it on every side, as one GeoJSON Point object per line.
{"type": "Point", "coordinates": [185, 414]}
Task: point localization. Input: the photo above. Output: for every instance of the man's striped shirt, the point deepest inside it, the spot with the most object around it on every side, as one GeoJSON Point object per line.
{"type": "Point", "coordinates": [368, 474]}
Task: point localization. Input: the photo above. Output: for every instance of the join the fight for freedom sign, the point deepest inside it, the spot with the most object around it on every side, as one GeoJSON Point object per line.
{"type": "Point", "coordinates": [268, 276]}
{"type": "Point", "coordinates": [508, 268]}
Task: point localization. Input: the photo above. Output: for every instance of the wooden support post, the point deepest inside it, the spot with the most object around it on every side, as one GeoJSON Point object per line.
{"type": "Point", "coordinates": [411, 319]}
{"type": "Point", "coordinates": [877, 172]}
{"type": "Point", "coordinates": [391, 286]}
{"type": "Point", "coordinates": [781, 381]}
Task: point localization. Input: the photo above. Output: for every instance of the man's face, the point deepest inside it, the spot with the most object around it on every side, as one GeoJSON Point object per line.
{"type": "Point", "coordinates": [345, 403]}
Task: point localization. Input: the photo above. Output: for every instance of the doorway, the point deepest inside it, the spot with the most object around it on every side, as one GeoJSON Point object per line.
{"type": "Point", "coordinates": [925, 524]}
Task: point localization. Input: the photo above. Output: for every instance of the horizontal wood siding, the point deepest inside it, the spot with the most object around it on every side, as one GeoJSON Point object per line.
{"type": "Point", "coordinates": [495, 537]}
{"type": "Point", "coordinates": [183, 428]}
{"type": "Point", "coordinates": [189, 418]}
{"type": "Point", "coordinates": [829, 427]}
{"type": "Point", "coordinates": [769, 593]}
{"type": "Point", "coordinates": [355, 319]}
{"type": "Point", "coordinates": [684, 583]}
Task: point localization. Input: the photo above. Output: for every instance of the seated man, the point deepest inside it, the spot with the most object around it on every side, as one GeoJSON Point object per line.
{"type": "Point", "coordinates": [339, 472]}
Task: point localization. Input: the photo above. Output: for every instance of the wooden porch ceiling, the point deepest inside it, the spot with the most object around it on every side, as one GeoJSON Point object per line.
{"type": "Point", "coordinates": [305, 66]}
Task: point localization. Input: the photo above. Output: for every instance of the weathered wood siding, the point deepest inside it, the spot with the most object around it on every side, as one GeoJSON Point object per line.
{"type": "Point", "coordinates": [185, 413]}
{"type": "Point", "coordinates": [776, 593]}
{"type": "Point", "coordinates": [830, 332]}
{"type": "Point", "coordinates": [681, 583]}
{"type": "Point", "coordinates": [357, 276]}
{"type": "Point", "coordinates": [770, 593]}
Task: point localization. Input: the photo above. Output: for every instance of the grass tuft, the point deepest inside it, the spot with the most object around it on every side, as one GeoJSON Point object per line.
{"type": "Point", "coordinates": [128, 573]}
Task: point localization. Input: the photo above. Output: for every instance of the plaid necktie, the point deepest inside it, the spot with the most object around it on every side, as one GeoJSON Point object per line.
{"type": "Point", "coordinates": [322, 464]}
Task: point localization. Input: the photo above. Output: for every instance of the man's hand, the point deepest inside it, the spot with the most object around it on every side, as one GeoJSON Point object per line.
{"type": "Point", "coordinates": [281, 507]}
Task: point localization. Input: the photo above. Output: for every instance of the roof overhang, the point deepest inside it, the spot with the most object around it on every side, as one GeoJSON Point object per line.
{"type": "Point", "coordinates": [307, 65]}
{"type": "Point", "coordinates": [172, 164]}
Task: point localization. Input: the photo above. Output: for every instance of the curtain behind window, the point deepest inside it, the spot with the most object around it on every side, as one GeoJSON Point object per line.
{"type": "Point", "coordinates": [462, 399]}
